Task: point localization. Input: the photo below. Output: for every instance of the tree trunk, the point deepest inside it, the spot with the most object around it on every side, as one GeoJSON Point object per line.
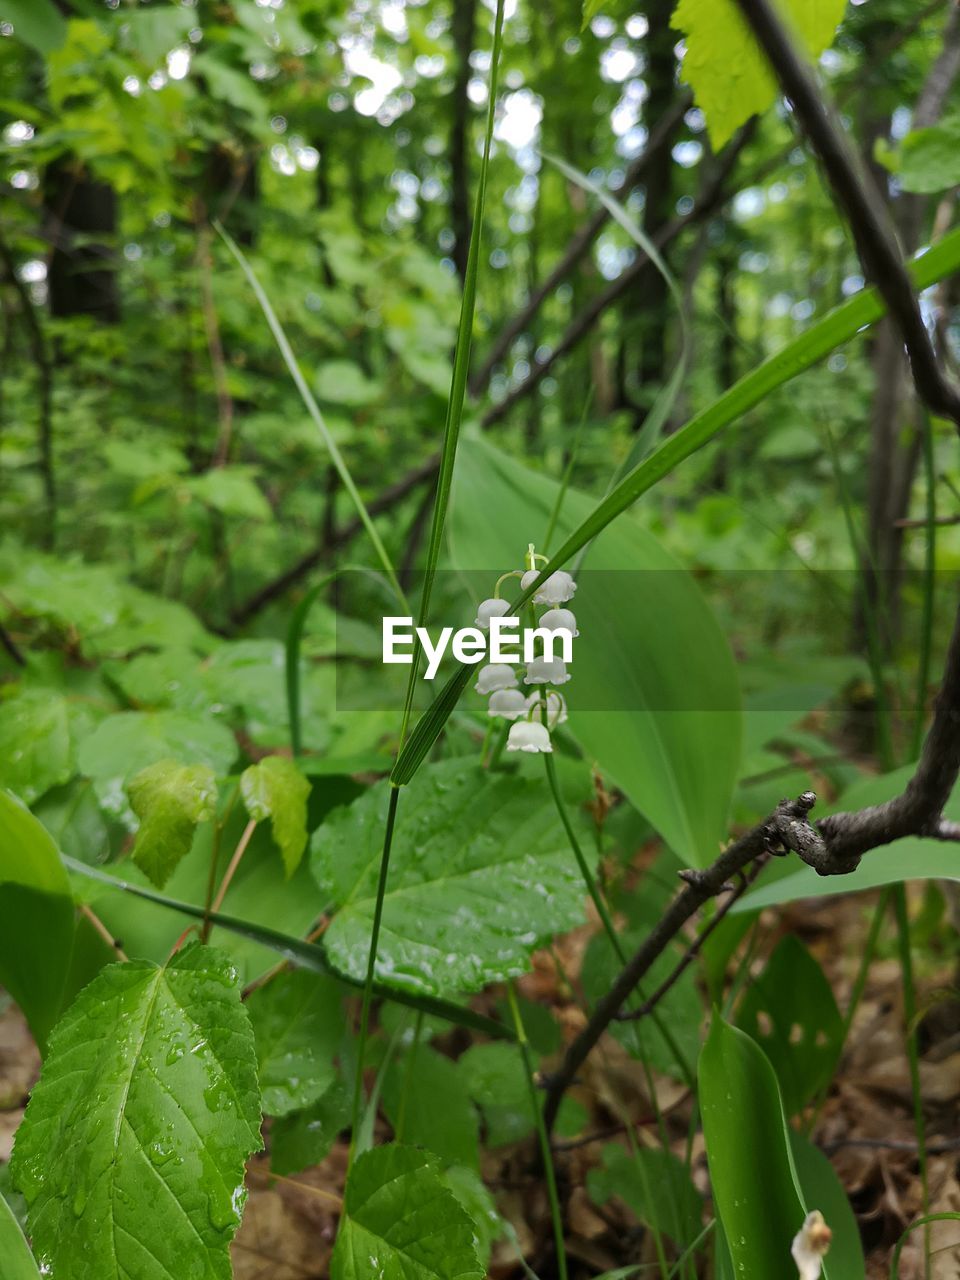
{"type": "Point", "coordinates": [81, 216]}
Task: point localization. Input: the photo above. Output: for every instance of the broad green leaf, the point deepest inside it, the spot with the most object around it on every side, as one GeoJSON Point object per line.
{"type": "Point", "coordinates": [790, 1011]}
{"type": "Point", "coordinates": [276, 789]}
{"type": "Point", "coordinates": [425, 1101]}
{"type": "Point", "coordinates": [756, 1193]}
{"type": "Point", "coordinates": [18, 1263]}
{"type": "Point", "coordinates": [480, 873]}
{"type": "Point", "coordinates": [729, 74]}
{"type": "Point", "coordinates": [170, 800]}
{"type": "Point", "coordinates": [836, 328]}
{"type": "Point", "coordinates": [343, 382]}
{"type": "Point", "coordinates": [654, 697]}
{"type": "Point", "coordinates": [303, 1138]}
{"type": "Point", "coordinates": [36, 751]}
{"type": "Point", "coordinates": [298, 1022]}
{"type": "Point", "coordinates": [36, 908]}
{"type": "Point", "coordinates": [655, 1185]}
{"type": "Point", "coordinates": [929, 159]}
{"type": "Point", "coordinates": [912, 858]}
{"type": "Point", "coordinates": [125, 743]}
{"type": "Point", "coordinates": [131, 1153]}
{"type": "Point", "coordinates": [37, 23]}
{"type": "Point", "coordinates": [467, 1185]}
{"type": "Point", "coordinates": [401, 1222]}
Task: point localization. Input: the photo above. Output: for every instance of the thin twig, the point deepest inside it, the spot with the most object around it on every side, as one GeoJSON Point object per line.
{"type": "Point", "coordinates": [228, 875]}
{"type": "Point", "coordinates": [112, 942]}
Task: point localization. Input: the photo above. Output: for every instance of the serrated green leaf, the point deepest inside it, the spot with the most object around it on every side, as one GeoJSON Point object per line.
{"type": "Point", "coordinates": [298, 1023]}
{"type": "Point", "coordinates": [36, 752]}
{"type": "Point", "coordinates": [232, 491]}
{"type": "Point", "coordinates": [36, 908]}
{"type": "Point", "coordinates": [480, 873]}
{"type": "Point", "coordinates": [790, 1011]}
{"type": "Point", "coordinates": [729, 74]}
{"type": "Point", "coordinates": [37, 23]}
{"type": "Point", "coordinates": [402, 1223]}
{"type": "Point", "coordinates": [655, 1185]}
{"type": "Point", "coordinates": [494, 1077]}
{"type": "Point", "coordinates": [170, 800]}
{"type": "Point", "coordinates": [123, 744]}
{"type": "Point", "coordinates": [304, 1138]}
{"type": "Point", "coordinates": [275, 788]}
{"type": "Point", "coordinates": [131, 1153]}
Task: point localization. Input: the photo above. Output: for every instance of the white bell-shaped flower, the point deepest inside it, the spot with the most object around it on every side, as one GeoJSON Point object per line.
{"type": "Point", "coordinates": [556, 708]}
{"type": "Point", "coordinates": [556, 589]}
{"type": "Point", "coordinates": [494, 676]}
{"type": "Point", "coordinates": [507, 703]}
{"type": "Point", "coordinates": [546, 671]}
{"type": "Point", "coordinates": [559, 620]}
{"type": "Point", "coordinates": [488, 609]}
{"type": "Point", "coordinates": [526, 735]}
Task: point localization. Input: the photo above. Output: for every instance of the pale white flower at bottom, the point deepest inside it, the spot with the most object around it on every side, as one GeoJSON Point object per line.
{"type": "Point", "coordinates": [508, 703]}
{"type": "Point", "coordinates": [810, 1244]}
{"type": "Point", "coordinates": [546, 671]}
{"type": "Point", "coordinates": [556, 708]}
{"type": "Point", "coordinates": [527, 736]}
{"type": "Point", "coordinates": [557, 588]}
{"type": "Point", "coordinates": [494, 676]}
{"type": "Point", "coordinates": [488, 609]}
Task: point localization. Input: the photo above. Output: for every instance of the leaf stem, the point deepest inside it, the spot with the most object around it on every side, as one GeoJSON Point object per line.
{"type": "Point", "coordinates": [231, 870]}
{"type": "Point", "coordinates": [545, 1151]}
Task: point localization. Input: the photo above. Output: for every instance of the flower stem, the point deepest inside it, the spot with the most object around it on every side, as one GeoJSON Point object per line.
{"type": "Point", "coordinates": [545, 1152]}
{"type": "Point", "coordinates": [372, 960]}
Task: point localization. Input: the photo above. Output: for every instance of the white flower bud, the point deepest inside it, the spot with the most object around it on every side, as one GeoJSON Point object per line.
{"type": "Point", "coordinates": [546, 671]}
{"type": "Point", "coordinates": [810, 1244]}
{"type": "Point", "coordinates": [494, 676]}
{"type": "Point", "coordinates": [555, 589]}
{"type": "Point", "coordinates": [559, 620]}
{"type": "Point", "coordinates": [527, 736]}
{"type": "Point", "coordinates": [508, 703]}
{"type": "Point", "coordinates": [556, 708]}
{"type": "Point", "coordinates": [488, 609]}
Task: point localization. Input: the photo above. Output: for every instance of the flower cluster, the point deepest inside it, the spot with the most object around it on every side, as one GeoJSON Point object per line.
{"type": "Point", "coordinates": [536, 713]}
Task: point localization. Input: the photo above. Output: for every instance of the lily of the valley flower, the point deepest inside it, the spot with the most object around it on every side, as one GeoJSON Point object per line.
{"type": "Point", "coordinates": [556, 589]}
{"type": "Point", "coordinates": [495, 676]}
{"type": "Point", "coordinates": [488, 609]}
{"type": "Point", "coordinates": [510, 704]}
{"type": "Point", "coordinates": [559, 620]}
{"type": "Point", "coordinates": [546, 671]}
{"type": "Point", "coordinates": [810, 1244]}
{"type": "Point", "coordinates": [556, 708]}
{"type": "Point", "coordinates": [526, 735]}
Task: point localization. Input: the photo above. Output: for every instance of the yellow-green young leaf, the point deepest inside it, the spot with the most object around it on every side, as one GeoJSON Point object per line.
{"type": "Point", "coordinates": [131, 1153]}
{"type": "Point", "coordinates": [401, 1222]}
{"type": "Point", "coordinates": [730, 76]}
{"type": "Point", "coordinates": [276, 789]}
{"type": "Point", "coordinates": [170, 799]}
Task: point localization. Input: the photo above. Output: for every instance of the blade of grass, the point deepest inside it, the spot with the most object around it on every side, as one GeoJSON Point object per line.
{"type": "Point", "coordinates": [307, 955]}
{"type": "Point", "coordinates": [313, 409]}
{"type": "Point", "coordinates": [448, 452]}
{"type": "Point", "coordinates": [924, 1222]}
{"type": "Point", "coordinates": [836, 328]}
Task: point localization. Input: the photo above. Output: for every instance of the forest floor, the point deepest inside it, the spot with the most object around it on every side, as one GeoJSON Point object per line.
{"type": "Point", "coordinates": [866, 1127]}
